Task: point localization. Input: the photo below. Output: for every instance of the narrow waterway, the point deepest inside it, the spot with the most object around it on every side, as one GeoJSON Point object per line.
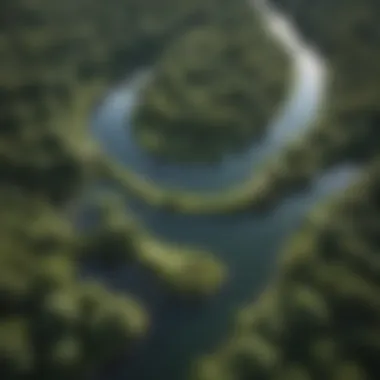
{"type": "Point", "coordinates": [112, 121]}
{"type": "Point", "coordinates": [248, 243]}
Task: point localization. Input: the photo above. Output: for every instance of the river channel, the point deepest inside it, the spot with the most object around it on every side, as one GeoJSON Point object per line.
{"type": "Point", "coordinates": [248, 243]}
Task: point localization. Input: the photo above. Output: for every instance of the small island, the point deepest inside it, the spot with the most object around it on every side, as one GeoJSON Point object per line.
{"type": "Point", "coordinates": [119, 238]}
{"type": "Point", "coordinates": [214, 90]}
{"type": "Point", "coordinates": [186, 271]}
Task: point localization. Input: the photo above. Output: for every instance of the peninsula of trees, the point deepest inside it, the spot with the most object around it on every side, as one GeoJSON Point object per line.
{"type": "Point", "coordinates": [214, 90]}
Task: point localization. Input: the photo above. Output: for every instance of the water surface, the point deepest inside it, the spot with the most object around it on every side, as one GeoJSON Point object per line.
{"type": "Point", "coordinates": [248, 243]}
{"type": "Point", "coordinates": [112, 121]}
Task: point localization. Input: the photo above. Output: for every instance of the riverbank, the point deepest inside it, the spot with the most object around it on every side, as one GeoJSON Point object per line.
{"type": "Point", "coordinates": [214, 90]}
{"type": "Point", "coordinates": [252, 195]}
{"type": "Point", "coordinates": [46, 309]}
{"type": "Point", "coordinates": [119, 238]}
{"type": "Point", "coordinates": [320, 315]}
{"type": "Point", "coordinates": [57, 60]}
{"type": "Point", "coordinates": [55, 325]}
{"type": "Point", "coordinates": [129, 237]}
{"type": "Point", "coordinates": [349, 128]}
{"type": "Point", "coordinates": [258, 191]}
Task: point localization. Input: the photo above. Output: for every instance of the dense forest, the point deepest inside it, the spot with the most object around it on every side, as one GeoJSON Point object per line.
{"type": "Point", "coordinates": [348, 130]}
{"type": "Point", "coordinates": [56, 60]}
{"type": "Point", "coordinates": [352, 108]}
{"type": "Point", "coordinates": [214, 90]}
{"type": "Point", "coordinates": [320, 317]}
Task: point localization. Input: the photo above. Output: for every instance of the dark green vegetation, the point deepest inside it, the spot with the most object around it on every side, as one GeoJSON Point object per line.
{"type": "Point", "coordinates": [192, 272]}
{"type": "Point", "coordinates": [214, 90]}
{"type": "Point", "coordinates": [321, 318]}
{"type": "Point", "coordinates": [57, 57]}
{"type": "Point", "coordinates": [349, 128]}
{"type": "Point", "coordinates": [51, 324]}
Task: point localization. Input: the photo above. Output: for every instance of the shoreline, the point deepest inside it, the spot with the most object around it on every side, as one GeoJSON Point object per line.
{"type": "Point", "coordinates": [184, 270]}
{"type": "Point", "coordinates": [254, 192]}
{"type": "Point", "coordinates": [320, 268]}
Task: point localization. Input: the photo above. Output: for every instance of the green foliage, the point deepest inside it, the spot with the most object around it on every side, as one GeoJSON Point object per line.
{"type": "Point", "coordinates": [44, 319]}
{"type": "Point", "coordinates": [324, 306]}
{"type": "Point", "coordinates": [294, 372]}
{"type": "Point", "coordinates": [188, 271]}
{"type": "Point", "coordinates": [214, 89]}
{"type": "Point", "coordinates": [347, 129]}
{"type": "Point", "coordinates": [110, 321]}
{"type": "Point", "coordinates": [16, 355]}
{"type": "Point", "coordinates": [254, 356]}
{"type": "Point", "coordinates": [212, 368]}
{"type": "Point", "coordinates": [56, 59]}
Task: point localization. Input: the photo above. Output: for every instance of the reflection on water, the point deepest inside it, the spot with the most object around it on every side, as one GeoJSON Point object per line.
{"type": "Point", "coordinates": [247, 243]}
{"type": "Point", "coordinates": [112, 121]}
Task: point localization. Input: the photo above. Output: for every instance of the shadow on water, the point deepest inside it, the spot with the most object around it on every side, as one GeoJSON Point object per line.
{"type": "Point", "coordinates": [247, 243]}
{"type": "Point", "coordinates": [112, 121]}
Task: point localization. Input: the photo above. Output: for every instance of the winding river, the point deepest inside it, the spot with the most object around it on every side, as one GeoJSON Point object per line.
{"type": "Point", "coordinates": [247, 243]}
{"type": "Point", "coordinates": [113, 118]}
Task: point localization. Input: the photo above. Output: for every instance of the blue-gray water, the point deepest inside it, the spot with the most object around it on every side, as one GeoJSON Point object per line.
{"type": "Point", "coordinates": [248, 243]}
{"type": "Point", "coordinates": [112, 122]}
